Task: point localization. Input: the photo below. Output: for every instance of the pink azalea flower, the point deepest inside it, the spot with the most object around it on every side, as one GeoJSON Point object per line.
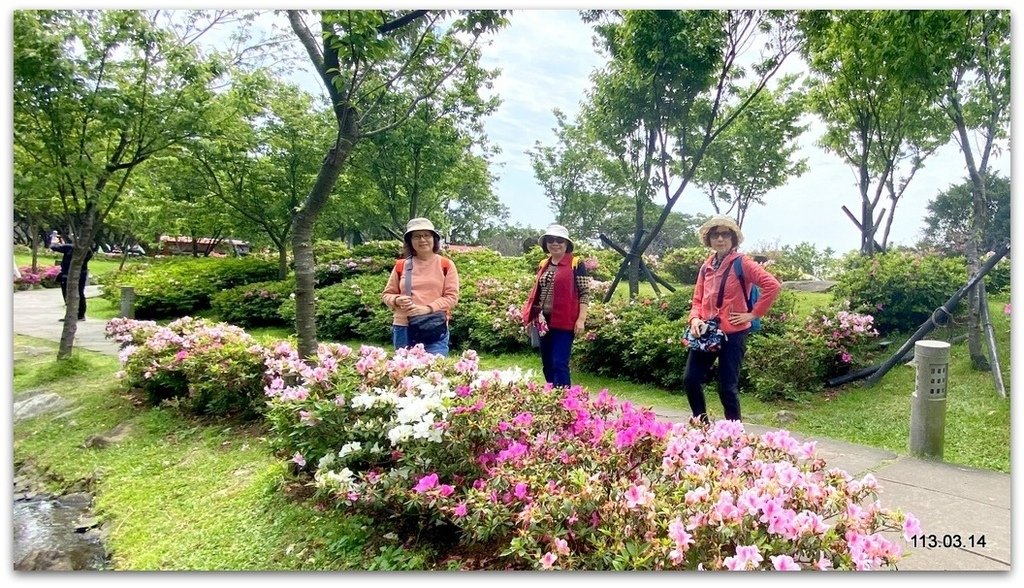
{"type": "Point", "coordinates": [461, 510]}
{"type": "Point", "coordinates": [784, 563]}
{"type": "Point", "coordinates": [911, 527]}
{"type": "Point", "coordinates": [548, 561]}
{"type": "Point", "coordinates": [297, 458]}
{"type": "Point", "coordinates": [426, 483]}
{"type": "Point", "coordinates": [823, 563]}
{"type": "Point", "coordinates": [521, 490]}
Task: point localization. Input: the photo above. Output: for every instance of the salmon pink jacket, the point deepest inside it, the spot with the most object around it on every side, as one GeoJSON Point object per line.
{"type": "Point", "coordinates": [705, 294]}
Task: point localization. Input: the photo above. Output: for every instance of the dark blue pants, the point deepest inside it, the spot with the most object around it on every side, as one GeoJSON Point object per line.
{"type": "Point", "coordinates": [400, 338]}
{"type": "Point", "coordinates": [555, 349]}
{"type": "Point", "coordinates": [729, 357]}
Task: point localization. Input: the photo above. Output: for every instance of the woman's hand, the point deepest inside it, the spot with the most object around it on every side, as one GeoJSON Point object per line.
{"type": "Point", "coordinates": [697, 327]}
{"type": "Point", "coordinates": [738, 318]}
{"type": "Point", "coordinates": [416, 309]}
{"type": "Point", "coordinates": [581, 325]}
{"type": "Point", "coordinates": [404, 302]}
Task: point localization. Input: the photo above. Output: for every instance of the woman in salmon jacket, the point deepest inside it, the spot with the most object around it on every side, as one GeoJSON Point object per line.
{"type": "Point", "coordinates": [719, 295]}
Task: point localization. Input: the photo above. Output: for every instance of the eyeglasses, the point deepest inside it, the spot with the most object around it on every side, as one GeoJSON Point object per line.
{"type": "Point", "coordinates": [422, 237]}
{"type": "Point", "coordinates": [557, 240]}
{"type": "Point", "coordinates": [713, 234]}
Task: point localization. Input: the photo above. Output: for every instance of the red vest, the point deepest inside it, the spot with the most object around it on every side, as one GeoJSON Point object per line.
{"type": "Point", "coordinates": [565, 302]}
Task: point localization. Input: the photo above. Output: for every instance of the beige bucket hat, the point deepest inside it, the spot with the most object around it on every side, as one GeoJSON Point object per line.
{"type": "Point", "coordinates": [555, 230]}
{"type": "Point", "coordinates": [421, 224]}
{"type": "Point", "coordinates": [719, 220]}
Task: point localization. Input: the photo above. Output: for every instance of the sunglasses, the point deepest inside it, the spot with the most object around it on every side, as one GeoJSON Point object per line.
{"type": "Point", "coordinates": [557, 240]}
{"type": "Point", "coordinates": [716, 234]}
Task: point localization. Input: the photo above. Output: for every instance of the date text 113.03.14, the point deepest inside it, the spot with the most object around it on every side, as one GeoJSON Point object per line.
{"type": "Point", "coordinates": [932, 540]}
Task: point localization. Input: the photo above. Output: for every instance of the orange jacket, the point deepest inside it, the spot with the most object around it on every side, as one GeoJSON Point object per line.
{"type": "Point", "coordinates": [705, 294]}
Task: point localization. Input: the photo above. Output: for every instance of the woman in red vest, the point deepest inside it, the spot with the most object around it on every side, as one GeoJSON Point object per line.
{"type": "Point", "coordinates": [558, 303]}
{"type": "Point", "coordinates": [718, 295]}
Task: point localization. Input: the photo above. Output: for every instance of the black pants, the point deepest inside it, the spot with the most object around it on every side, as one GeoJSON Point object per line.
{"type": "Point", "coordinates": [81, 294]}
{"type": "Point", "coordinates": [729, 357]}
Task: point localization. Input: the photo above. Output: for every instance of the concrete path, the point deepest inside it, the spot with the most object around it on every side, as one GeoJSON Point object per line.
{"type": "Point", "coordinates": [957, 505]}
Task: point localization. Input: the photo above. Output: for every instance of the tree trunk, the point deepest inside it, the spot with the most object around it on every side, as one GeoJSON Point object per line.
{"type": "Point", "coordinates": [33, 243]}
{"type": "Point", "coordinates": [302, 240]}
{"type": "Point", "coordinates": [282, 260]}
{"type": "Point", "coordinates": [83, 242]}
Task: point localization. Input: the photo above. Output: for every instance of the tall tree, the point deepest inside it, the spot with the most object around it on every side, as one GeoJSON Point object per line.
{"type": "Point", "coordinates": [972, 50]}
{"type": "Point", "coordinates": [755, 154]}
{"type": "Point", "coordinates": [673, 85]}
{"type": "Point", "coordinates": [578, 176]}
{"type": "Point", "coordinates": [378, 67]}
{"type": "Point", "coordinates": [870, 84]}
{"type": "Point", "coordinates": [99, 93]}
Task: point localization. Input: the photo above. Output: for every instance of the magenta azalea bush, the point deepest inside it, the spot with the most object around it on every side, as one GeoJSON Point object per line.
{"type": "Point", "coordinates": [553, 478]}
{"type": "Point", "coordinates": [45, 277]}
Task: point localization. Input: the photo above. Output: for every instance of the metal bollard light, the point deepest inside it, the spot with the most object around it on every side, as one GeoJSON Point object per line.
{"type": "Point", "coordinates": [928, 403]}
{"type": "Point", "coordinates": [127, 301]}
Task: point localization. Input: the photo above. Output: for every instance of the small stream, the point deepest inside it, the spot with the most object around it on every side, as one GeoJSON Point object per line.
{"type": "Point", "coordinates": [56, 533]}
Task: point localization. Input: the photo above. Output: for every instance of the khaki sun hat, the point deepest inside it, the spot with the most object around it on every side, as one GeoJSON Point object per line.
{"type": "Point", "coordinates": [421, 224]}
{"type": "Point", "coordinates": [719, 220]}
{"type": "Point", "coordinates": [554, 230]}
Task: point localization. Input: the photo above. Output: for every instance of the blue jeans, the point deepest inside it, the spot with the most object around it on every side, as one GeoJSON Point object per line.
{"type": "Point", "coordinates": [555, 349]}
{"type": "Point", "coordinates": [729, 357]}
{"type": "Point", "coordinates": [400, 338]}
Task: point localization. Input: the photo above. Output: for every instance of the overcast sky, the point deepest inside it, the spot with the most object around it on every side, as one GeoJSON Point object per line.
{"type": "Point", "coordinates": [546, 57]}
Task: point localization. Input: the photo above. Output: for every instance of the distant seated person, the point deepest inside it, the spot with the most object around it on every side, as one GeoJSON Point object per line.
{"type": "Point", "coordinates": [66, 249]}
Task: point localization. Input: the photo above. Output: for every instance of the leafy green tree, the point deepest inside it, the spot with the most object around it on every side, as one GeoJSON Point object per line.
{"type": "Point", "coordinates": [754, 155]}
{"type": "Point", "coordinates": [672, 86]}
{"type": "Point", "coordinates": [871, 84]}
{"type": "Point", "coordinates": [970, 56]}
{"type": "Point", "coordinates": [378, 67]}
{"type": "Point", "coordinates": [578, 177]}
{"type": "Point", "coordinates": [96, 95]}
{"type": "Point", "coordinates": [949, 215]}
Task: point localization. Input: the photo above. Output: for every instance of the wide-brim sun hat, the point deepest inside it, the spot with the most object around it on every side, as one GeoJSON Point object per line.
{"type": "Point", "coordinates": [420, 224]}
{"type": "Point", "coordinates": [554, 230]}
{"type": "Point", "coordinates": [719, 220]}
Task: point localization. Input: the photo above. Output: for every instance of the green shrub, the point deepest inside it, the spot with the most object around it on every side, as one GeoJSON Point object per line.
{"type": "Point", "coordinates": [185, 286]}
{"type": "Point", "coordinates": [683, 264]}
{"type": "Point", "coordinates": [383, 250]}
{"type": "Point", "coordinates": [997, 280]}
{"type": "Point", "coordinates": [787, 366]}
{"type": "Point", "coordinates": [342, 309]}
{"type": "Point", "coordinates": [253, 305]}
{"type": "Point", "coordinates": [203, 367]}
{"type": "Point", "coordinates": [899, 288]}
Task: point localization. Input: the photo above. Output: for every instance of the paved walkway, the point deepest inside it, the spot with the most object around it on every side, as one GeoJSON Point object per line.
{"type": "Point", "coordinates": [954, 503]}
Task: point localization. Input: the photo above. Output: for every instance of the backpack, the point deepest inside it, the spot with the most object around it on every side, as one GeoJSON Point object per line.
{"type": "Point", "coordinates": [755, 292]}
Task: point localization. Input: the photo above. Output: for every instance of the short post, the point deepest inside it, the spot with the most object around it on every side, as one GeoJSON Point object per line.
{"type": "Point", "coordinates": [128, 302]}
{"type": "Point", "coordinates": [928, 403]}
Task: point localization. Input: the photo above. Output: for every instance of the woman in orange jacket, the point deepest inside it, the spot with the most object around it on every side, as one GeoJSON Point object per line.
{"type": "Point", "coordinates": [723, 236]}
